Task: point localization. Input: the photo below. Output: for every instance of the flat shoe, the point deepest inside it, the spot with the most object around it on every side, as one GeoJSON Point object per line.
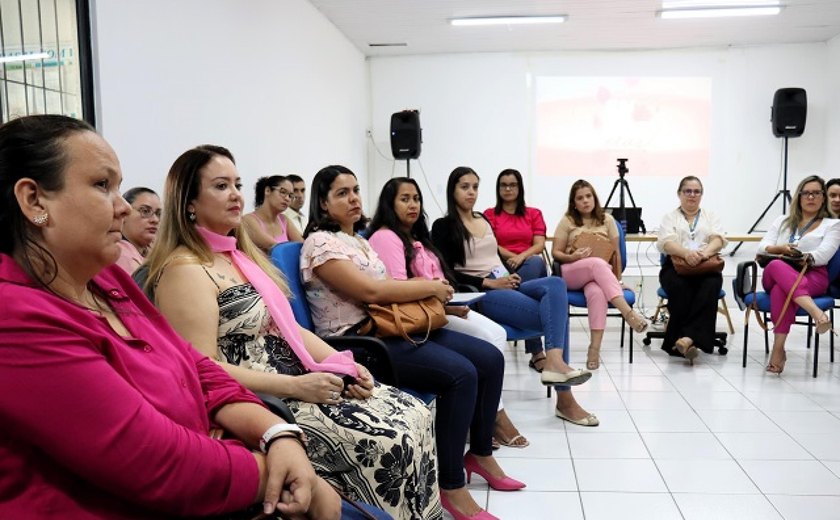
{"type": "Point", "coordinates": [687, 349]}
{"type": "Point", "coordinates": [589, 420]}
{"type": "Point", "coordinates": [573, 378]}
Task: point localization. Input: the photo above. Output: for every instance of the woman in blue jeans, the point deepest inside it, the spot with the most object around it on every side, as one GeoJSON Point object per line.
{"type": "Point", "coordinates": [341, 273]}
{"type": "Point", "coordinates": [467, 243]}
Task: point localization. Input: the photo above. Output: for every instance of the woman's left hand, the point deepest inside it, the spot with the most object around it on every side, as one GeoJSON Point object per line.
{"type": "Point", "coordinates": [363, 387]}
{"type": "Point", "coordinates": [515, 261]}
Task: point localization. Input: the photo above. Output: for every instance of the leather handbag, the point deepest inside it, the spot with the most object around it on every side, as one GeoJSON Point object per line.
{"type": "Point", "coordinates": [798, 260]}
{"type": "Point", "coordinates": [711, 265]}
{"type": "Point", "coordinates": [403, 319]}
{"type": "Point", "coordinates": [601, 246]}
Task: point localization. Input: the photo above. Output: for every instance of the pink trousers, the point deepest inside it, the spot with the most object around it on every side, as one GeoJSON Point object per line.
{"type": "Point", "coordinates": [777, 280]}
{"type": "Point", "coordinates": [596, 278]}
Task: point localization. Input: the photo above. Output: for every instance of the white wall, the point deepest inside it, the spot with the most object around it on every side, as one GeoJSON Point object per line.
{"type": "Point", "coordinates": [476, 110]}
{"type": "Point", "coordinates": [832, 141]}
{"type": "Point", "coordinates": [274, 81]}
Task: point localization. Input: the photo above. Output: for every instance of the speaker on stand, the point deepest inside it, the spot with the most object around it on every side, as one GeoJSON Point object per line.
{"type": "Point", "coordinates": [406, 137]}
{"type": "Point", "coordinates": [787, 118]}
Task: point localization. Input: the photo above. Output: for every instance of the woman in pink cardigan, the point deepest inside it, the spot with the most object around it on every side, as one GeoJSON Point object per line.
{"type": "Point", "coordinates": [105, 410]}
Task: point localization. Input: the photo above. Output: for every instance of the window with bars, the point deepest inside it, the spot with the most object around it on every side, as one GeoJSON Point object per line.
{"type": "Point", "coordinates": [45, 59]}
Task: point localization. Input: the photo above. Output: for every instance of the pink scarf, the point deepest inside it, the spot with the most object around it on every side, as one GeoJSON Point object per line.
{"type": "Point", "coordinates": [278, 306]}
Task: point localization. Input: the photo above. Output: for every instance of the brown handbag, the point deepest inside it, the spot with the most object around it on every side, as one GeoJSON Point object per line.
{"type": "Point", "coordinates": [601, 246]}
{"type": "Point", "coordinates": [403, 319]}
{"type": "Point", "coordinates": [711, 265]}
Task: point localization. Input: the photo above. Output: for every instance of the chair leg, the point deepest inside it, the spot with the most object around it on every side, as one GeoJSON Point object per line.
{"type": "Point", "coordinates": [658, 309]}
{"type": "Point", "coordinates": [766, 337]}
{"type": "Point", "coordinates": [831, 335]}
{"type": "Point", "coordinates": [631, 345]}
{"type": "Point", "coordinates": [746, 332]}
{"type": "Point", "coordinates": [724, 309]}
{"type": "Point", "coordinates": [810, 332]}
{"type": "Point", "coordinates": [623, 323]}
{"type": "Point", "coordinates": [816, 351]}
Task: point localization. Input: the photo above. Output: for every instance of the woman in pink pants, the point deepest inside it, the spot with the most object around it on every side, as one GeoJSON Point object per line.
{"type": "Point", "coordinates": [810, 229]}
{"type": "Point", "coordinates": [581, 270]}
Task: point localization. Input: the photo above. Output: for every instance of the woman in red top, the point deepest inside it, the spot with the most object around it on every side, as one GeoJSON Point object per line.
{"type": "Point", "coordinates": [520, 231]}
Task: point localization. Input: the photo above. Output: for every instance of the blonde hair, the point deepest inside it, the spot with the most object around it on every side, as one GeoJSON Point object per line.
{"type": "Point", "coordinates": [792, 221]}
{"type": "Point", "coordinates": [182, 186]}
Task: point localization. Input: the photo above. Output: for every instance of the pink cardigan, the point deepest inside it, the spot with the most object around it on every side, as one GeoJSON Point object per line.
{"type": "Point", "coordinates": [100, 426]}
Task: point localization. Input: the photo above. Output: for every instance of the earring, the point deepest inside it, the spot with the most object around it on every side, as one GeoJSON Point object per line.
{"type": "Point", "coordinates": [40, 220]}
{"type": "Point", "coordinates": [191, 216]}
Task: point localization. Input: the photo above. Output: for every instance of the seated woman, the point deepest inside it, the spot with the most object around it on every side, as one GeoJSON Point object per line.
{"type": "Point", "coordinates": [810, 229]}
{"type": "Point", "coordinates": [467, 244]}
{"type": "Point", "coordinates": [693, 235]}
{"type": "Point", "coordinates": [267, 225]}
{"type": "Point", "coordinates": [401, 239]}
{"type": "Point", "coordinates": [341, 273]}
{"type": "Point", "coordinates": [519, 229]}
{"type": "Point", "coordinates": [105, 409]}
{"type": "Point", "coordinates": [222, 295]}
{"type": "Point", "coordinates": [598, 279]}
{"type": "Point", "coordinates": [139, 228]}
{"type": "Point", "coordinates": [832, 191]}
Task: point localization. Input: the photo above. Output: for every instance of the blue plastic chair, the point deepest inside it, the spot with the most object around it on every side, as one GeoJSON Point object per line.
{"type": "Point", "coordinates": [577, 299]}
{"type": "Point", "coordinates": [370, 352]}
{"type": "Point", "coordinates": [760, 301]}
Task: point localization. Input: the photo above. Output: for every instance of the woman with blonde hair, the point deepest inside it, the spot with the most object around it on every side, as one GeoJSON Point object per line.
{"type": "Point", "coordinates": [221, 293]}
{"type": "Point", "coordinates": [808, 229]}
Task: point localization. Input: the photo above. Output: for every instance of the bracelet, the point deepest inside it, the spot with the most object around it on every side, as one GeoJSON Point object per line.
{"type": "Point", "coordinates": [287, 435]}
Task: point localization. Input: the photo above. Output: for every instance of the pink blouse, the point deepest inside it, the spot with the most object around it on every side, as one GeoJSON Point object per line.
{"type": "Point", "coordinates": [130, 258]}
{"type": "Point", "coordinates": [96, 425]}
{"type": "Point", "coordinates": [391, 251]}
{"type": "Point", "coordinates": [334, 312]}
{"type": "Point", "coordinates": [516, 233]}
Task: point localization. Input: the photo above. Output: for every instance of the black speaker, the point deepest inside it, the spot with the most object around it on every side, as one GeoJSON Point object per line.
{"type": "Point", "coordinates": [405, 134]}
{"type": "Point", "coordinates": [790, 106]}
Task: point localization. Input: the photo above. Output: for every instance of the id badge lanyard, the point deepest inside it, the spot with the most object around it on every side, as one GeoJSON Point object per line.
{"type": "Point", "coordinates": [796, 235]}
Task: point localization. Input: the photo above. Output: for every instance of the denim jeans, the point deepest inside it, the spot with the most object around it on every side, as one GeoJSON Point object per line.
{"type": "Point", "coordinates": [531, 269]}
{"type": "Point", "coordinates": [539, 304]}
{"type": "Point", "coordinates": [466, 374]}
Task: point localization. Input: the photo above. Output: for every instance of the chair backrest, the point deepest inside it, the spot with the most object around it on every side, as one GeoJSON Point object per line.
{"type": "Point", "coordinates": [622, 245]}
{"type": "Point", "coordinates": [834, 267]}
{"type": "Point", "coordinates": [286, 257]}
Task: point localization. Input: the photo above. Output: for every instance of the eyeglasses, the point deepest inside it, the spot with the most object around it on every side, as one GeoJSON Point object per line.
{"type": "Point", "coordinates": [506, 186]}
{"type": "Point", "coordinates": [147, 212]}
{"type": "Point", "coordinates": [690, 192]}
{"type": "Point", "coordinates": [811, 194]}
{"type": "Point", "coordinates": [284, 193]}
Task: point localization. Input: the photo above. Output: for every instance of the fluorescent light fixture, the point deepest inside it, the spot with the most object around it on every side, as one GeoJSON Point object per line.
{"type": "Point", "coordinates": [508, 20]}
{"type": "Point", "coordinates": [24, 57]}
{"type": "Point", "coordinates": [720, 12]}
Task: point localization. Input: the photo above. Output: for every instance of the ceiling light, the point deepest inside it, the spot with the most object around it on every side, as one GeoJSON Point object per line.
{"type": "Point", "coordinates": [24, 57]}
{"type": "Point", "coordinates": [719, 12]}
{"type": "Point", "coordinates": [507, 20]}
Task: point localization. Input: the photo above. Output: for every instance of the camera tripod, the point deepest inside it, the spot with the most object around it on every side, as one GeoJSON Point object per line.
{"type": "Point", "coordinates": [622, 186]}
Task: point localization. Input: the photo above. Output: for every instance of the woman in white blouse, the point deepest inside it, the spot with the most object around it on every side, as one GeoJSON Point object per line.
{"type": "Point", "coordinates": [694, 235]}
{"type": "Point", "coordinates": [810, 229]}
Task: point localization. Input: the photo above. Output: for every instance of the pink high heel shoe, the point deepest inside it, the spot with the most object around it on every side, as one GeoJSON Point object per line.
{"type": "Point", "coordinates": [471, 465]}
{"type": "Point", "coordinates": [457, 515]}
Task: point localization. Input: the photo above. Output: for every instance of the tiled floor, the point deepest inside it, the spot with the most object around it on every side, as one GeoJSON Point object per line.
{"type": "Point", "coordinates": [713, 441]}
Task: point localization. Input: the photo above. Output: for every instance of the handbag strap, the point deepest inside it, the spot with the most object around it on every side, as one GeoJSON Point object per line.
{"type": "Point", "coordinates": [398, 321]}
{"type": "Point", "coordinates": [754, 305]}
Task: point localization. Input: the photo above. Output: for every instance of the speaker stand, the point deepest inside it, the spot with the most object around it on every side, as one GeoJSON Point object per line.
{"type": "Point", "coordinates": [784, 193]}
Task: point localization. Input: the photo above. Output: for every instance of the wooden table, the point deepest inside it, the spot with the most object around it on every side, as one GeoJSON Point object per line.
{"type": "Point", "coordinates": [731, 238]}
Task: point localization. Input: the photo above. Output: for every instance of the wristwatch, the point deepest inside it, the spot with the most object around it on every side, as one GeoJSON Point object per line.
{"type": "Point", "coordinates": [278, 430]}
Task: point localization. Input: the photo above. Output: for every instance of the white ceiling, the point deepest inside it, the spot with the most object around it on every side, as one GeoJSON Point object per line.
{"type": "Point", "coordinates": [592, 25]}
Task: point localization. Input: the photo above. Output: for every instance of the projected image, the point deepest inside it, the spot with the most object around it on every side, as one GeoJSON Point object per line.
{"type": "Point", "coordinates": [662, 125]}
